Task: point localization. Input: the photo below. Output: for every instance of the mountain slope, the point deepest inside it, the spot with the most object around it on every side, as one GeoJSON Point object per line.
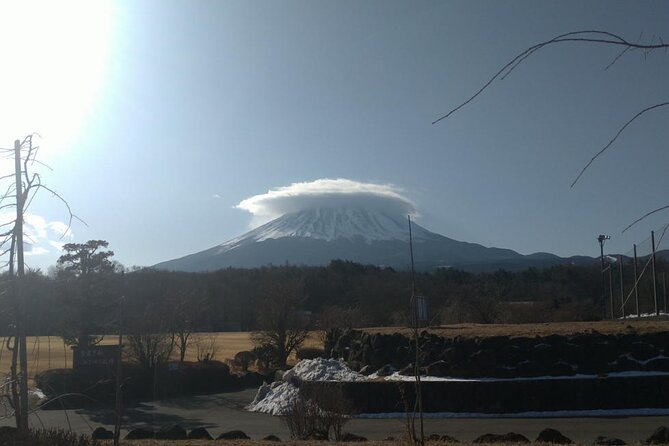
{"type": "Point", "coordinates": [317, 236]}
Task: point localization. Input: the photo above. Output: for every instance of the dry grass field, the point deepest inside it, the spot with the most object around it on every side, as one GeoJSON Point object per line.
{"type": "Point", "coordinates": [49, 352]}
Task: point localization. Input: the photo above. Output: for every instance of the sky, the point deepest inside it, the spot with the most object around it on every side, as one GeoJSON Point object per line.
{"type": "Point", "coordinates": [158, 118]}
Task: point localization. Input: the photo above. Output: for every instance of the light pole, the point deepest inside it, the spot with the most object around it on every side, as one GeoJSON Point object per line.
{"type": "Point", "coordinates": [601, 239]}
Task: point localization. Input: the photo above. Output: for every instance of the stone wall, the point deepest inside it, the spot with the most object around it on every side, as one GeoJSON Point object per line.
{"type": "Point", "coordinates": [504, 357]}
{"type": "Point", "coordinates": [501, 396]}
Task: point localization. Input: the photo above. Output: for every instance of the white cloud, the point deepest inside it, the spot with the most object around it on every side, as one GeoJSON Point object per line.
{"type": "Point", "coordinates": [327, 193]}
{"type": "Point", "coordinates": [216, 196]}
{"type": "Point", "coordinates": [40, 236]}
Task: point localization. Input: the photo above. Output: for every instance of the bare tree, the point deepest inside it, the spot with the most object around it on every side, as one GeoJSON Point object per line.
{"type": "Point", "coordinates": [283, 326]}
{"type": "Point", "coordinates": [150, 339]}
{"type": "Point", "coordinates": [20, 188]}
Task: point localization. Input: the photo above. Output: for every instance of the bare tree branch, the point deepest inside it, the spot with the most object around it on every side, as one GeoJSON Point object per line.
{"type": "Point", "coordinates": [590, 36]}
{"type": "Point", "coordinates": [647, 214]}
{"type": "Point", "coordinates": [622, 129]}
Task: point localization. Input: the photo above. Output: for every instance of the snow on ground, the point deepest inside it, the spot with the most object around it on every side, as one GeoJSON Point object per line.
{"type": "Point", "coordinates": [320, 369]}
{"type": "Point", "coordinates": [397, 377]}
{"type": "Point", "coordinates": [279, 397]}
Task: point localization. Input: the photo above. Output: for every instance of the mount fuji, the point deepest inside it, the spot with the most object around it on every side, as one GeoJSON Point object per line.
{"type": "Point", "coordinates": [365, 235]}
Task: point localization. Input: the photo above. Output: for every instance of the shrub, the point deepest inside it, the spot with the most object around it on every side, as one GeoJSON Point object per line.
{"type": "Point", "coordinates": [244, 359]}
{"type": "Point", "coordinates": [310, 353]}
{"type": "Point", "coordinates": [321, 419]}
{"type": "Point", "coordinates": [46, 437]}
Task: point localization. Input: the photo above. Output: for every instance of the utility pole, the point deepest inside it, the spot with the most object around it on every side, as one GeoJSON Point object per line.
{"type": "Point", "coordinates": [664, 288]}
{"type": "Point", "coordinates": [613, 315]}
{"type": "Point", "coordinates": [657, 309]}
{"type": "Point", "coordinates": [22, 410]}
{"type": "Point", "coordinates": [636, 285]}
{"type": "Point", "coordinates": [414, 320]}
{"type": "Point", "coordinates": [622, 287]}
{"type": "Point", "coordinates": [601, 239]}
{"type": "Point", "coordinates": [119, 372]}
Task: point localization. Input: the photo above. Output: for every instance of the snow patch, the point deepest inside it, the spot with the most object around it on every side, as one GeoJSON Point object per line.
{"type": "Point", "coordinates": [277, 399]}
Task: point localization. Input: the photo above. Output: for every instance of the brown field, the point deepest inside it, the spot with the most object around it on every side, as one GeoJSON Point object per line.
{"type": "Point", "coordinates": [546, 329]}
{"type": "Point", "coordinates": [49, 352]}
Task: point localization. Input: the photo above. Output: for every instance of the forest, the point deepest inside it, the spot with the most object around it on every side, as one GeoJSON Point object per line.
{"type": "Point", "coordinates": [341, 294]}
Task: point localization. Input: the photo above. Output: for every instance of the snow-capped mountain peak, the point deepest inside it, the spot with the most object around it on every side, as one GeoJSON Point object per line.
{"type": "Point", "coordinates": [330, 224]}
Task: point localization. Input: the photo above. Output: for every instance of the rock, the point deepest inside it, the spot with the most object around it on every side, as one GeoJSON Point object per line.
{"type": "Point", "coordinates": [561, 368]}
{"type": "Point", "coordinates": [140, 434]}
{"type": "Point", "coordinates": [175, 432]}
{"type": "Point", "coordinates": [657, 365]}
{"type": "Point", "coordinates": [352, 437]}
{"type": "Point", "coordinates": [366, 370]}
{"type": "Point", "coordinates": [485, 359]}
{"type": "Point", "coordinates": [643, 351]}
{"type": "Point", "coordinates": [511, 437]}
{"type": "Point", "coordinates": [625, 363]}
{"type": "Point", "coordinates": [271, 438]}
{"type": "Point", "coordinates": [386, 370]}
{"type": "Point", "coordinates": [433, 437]}
{"type": "Point", "coordinates": [438, 368]}
{"type": "Point", "coordinates": [606, 441]}
{"type": "Point", "coordinates": [199, 433]}
{"type": "Point", "coordinates": [549, 435]}
{"type": "Point", "coordinates": [530, 368]}
{"type": "Point", "coordinates": [100, 433]}
{"type": "Point", "coordinates": [318, 436]}
{"type": "Point", "coordinates": [660, 436]}
{"type": "Point", "coordinates": [233, 435]}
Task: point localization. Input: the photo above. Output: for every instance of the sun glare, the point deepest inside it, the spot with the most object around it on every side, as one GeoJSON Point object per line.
{"type": "Point", "coordinates": [54, 57]}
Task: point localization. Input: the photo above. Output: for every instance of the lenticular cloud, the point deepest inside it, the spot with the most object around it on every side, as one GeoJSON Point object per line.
{"type": "Point", "coordinates": [327, 193]}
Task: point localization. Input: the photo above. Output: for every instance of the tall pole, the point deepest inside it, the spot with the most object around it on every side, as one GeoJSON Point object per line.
{"type": "Point", "coordinates": [613, 315]}
{"type": "Point", "coordinates": [636, 285]}
{"type": "Point", "coordinates": [664, 292]}
{"type": "Point", "coordinates": [414, 316]}
{"type": "Point", "coordinates": [22, 419]}
{"type": "Point", "coordinates": [622, 287]}
{"type": "Point", "coordinates": [657, 309]}
{"type": "Point", "coordinates": [119, 372]}
{"type": "Point", "coordinates": [601, 238]}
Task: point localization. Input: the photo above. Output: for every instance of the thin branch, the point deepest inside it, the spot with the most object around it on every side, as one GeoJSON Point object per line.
{"type": "Point", "coordinates": [622, 129]}
{"type": "Point", "coordinates": [647, 214]}
{"type": "Point", "coordinates": [606, 39]}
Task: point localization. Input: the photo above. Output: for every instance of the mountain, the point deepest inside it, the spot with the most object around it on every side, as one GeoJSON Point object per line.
{"type": "Point", "coordinates": [371, 236]}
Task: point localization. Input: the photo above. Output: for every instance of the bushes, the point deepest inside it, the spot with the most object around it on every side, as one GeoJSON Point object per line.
{"type": "Point", "coordinates": [310, 353]}
{"type": "Point", "coordinates": [45, 437]}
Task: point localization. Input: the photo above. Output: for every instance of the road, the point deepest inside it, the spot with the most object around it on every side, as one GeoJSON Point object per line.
{"type": "Point", "coordinates": [222, 412]}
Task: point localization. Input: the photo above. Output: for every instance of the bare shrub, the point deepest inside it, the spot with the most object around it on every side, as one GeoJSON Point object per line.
{"type": "Point", "coordinates": [206, 347]}
{"type": "Point", "coordinates": [302, 420]}
{"type": "Point", "coordinates": [321, 418]}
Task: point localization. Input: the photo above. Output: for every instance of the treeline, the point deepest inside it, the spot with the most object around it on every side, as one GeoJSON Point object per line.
{"type": "Point", "coordinates": [340, 294]}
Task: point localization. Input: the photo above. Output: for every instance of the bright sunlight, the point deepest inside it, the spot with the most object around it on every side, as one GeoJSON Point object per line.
{"type": "Point", "coordinates": [54, 59]}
